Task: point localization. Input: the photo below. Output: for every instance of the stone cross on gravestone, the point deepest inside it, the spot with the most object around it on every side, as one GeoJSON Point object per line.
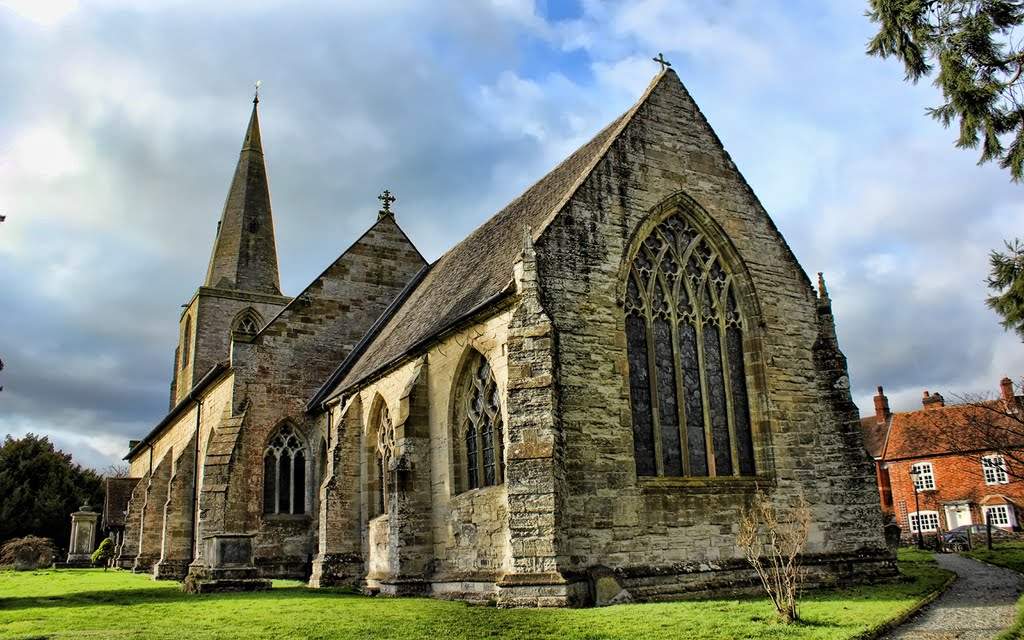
{"type": "Point", "coordinates": [386, 198]}
{"type": "Point", "coordinates": [662, 61]}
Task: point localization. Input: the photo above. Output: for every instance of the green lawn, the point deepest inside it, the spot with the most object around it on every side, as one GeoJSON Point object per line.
{"type": "Point", "coordinates": [1011, 556]}
{"type": "Point", "coordinates": [115, 604]}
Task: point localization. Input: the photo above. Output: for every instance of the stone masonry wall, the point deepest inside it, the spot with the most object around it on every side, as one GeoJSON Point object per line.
{"type": "Point", "coordinates": [469, 530]}
{"type": "Point", "coordinates": [151, 526]}
{"type": "Point", "coordinates": [664, 525]}
{"type": "Point", "coordinates": [278, 371]}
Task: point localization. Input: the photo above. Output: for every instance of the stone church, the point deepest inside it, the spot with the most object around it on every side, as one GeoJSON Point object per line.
{"type": "Point", "coordinates": [593, 383]}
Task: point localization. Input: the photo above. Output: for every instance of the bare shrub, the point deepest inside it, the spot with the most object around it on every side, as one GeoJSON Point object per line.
{"type": "Point", "coordinates": [28, 553]}
{"type": "Point", "coordinates": [772, 543]}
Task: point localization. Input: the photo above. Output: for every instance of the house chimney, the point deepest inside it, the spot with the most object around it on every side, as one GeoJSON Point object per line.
{"type": "Point", "coordinates": [1006, 389]}
{"type": "Point", "coordinates": [882, 412]}
{"type": "Point", "coordinates": [932, 401]}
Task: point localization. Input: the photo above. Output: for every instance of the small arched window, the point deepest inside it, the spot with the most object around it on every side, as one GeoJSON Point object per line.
{"type": "Point", "coordinates": [479, 429]}
{"type": "Point", "coordinates": [248, 322]}
{"type": "Point", "coordinates": [384, 457]}
{"type": "Point", "coordinates": [186, 342]}
{"type": "Point", "coordinates": [684, 335]}
{"type": "Point", "coordinates": [284, 473]}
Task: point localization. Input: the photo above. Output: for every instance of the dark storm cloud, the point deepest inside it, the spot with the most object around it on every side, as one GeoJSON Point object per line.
{"type": "Point", "coordinates": [121, 123]}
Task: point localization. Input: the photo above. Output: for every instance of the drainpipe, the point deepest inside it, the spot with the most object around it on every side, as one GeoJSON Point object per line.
{"type": "Point", "coordinates": [195, 483]}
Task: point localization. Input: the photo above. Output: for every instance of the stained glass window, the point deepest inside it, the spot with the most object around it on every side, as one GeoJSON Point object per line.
{"type": "Point", "coordinates": [385, 456]}
{"type": "Point", "coordinates": [480, 423]}
{"type": "Point", "coordinates": [684, 342]}
{"type": "Point", "coordinates": [284, 473]}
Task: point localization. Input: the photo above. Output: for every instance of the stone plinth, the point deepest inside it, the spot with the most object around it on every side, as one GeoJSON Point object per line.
{"type": "Point", "coordinates": [227, 565]}
{"type": "Point", "coordinates": [83, 537]}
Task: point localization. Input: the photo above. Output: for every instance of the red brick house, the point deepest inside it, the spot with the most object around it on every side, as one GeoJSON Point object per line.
{"type": "Point", "coordinates": [956, 485]}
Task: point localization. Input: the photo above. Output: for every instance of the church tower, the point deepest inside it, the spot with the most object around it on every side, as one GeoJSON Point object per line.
{"type": "Point", "coordinates": [242, 289]}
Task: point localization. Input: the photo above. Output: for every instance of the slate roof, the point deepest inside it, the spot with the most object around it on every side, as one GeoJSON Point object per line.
{"type": "Point", "coordinates": [115, 503]}
{"type": "Point", "coordinates": [478, 271]}
{"type": "Point", "coordinates": [874, 435]}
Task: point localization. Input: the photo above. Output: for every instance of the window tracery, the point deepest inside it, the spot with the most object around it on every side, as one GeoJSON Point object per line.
{"type": "Point", "coordinates": [284, 473]}
{"type": "Point", "coordinates": [480, 429]}
{"type": "Point", "coordinates": [385, 453]}
{"type": "Point", "coordinates": [684, 335]}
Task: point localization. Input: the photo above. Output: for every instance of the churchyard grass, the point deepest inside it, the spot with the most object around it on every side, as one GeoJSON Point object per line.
{"type": "Point", "coordinates": [1011, 556]}
{"type": "Point", "coordinates": [117, 604]}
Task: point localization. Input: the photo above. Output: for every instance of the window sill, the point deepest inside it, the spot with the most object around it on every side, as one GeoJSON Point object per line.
{"type": "Point", "coordinates": [470, 494]}
{"type": "Point", "coordinates": [286, 517]}
{"type": "Point", "coordinates": [736, 483]}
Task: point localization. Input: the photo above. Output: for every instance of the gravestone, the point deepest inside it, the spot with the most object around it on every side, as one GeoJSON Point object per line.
{"type": "Point", "coordinates": [83, 537]}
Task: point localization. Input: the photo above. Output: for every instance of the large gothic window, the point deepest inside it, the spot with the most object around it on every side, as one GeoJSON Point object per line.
{"type": "Point", "coordinates": [684, 337]}
{"type": "Point", "coordinates": [385, 456]}
{"type": "Point", "coordinates": [479, 430]}
{"type": "Point", "coordinates": [284, 473]}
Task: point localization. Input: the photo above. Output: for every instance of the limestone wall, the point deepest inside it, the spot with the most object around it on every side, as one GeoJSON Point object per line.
{"type": "Point", "coordinates": [611, 517]}
{"type": "Point", "coordinates": [469, 530]}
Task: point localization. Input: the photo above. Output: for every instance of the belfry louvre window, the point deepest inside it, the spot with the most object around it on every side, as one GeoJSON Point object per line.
{"type": "Point", "coordinates": [684, 336]}
{"type": "Point", "coordinates": [284, 473]}
{"type": "Point", "coordinates": [480, 426]}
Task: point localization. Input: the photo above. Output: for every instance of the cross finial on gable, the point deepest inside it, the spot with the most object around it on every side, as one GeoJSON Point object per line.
{"type": "Point", "coordinates": [662, 61]}
{"type": "Point", "coordinates": [386, 198]}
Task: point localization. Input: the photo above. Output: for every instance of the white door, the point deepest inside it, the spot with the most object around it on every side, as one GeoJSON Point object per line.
{"type": "Point", "coordinates": [957, 515]}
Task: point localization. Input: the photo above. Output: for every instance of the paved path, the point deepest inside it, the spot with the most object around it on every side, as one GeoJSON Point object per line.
{"type": "Point", "coordinates": [979, 605]}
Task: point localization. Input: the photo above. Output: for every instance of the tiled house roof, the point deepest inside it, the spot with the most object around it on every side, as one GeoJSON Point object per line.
{"type": "Point", "coordinates": [930, 432]}
{"type": "Point", "coordinates": [874, 435]}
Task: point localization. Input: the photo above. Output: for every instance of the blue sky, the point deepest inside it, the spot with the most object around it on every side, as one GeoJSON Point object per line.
{"type": "Point", "coordinates": [121, 122]}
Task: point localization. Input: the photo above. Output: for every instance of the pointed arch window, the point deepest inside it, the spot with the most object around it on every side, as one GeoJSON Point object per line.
{"type": "Point", "coordinates": [284, 473]}
{"type": "Point", "coordinates": [186, 342]}
{"type": "Point", "coordinates": [479, 427]}
{"type": "Point", "coordinates": [385, 456]}
{"type": "Point", "coordinates": [684, 336]}
{"type": "Point", "coordinates": [248, 322]}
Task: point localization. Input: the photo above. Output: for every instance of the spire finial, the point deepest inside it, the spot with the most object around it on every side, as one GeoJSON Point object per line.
{"type": "Point", "coordinates": [822, 291]}
{"type": "Point", "coordinates": [662, 61]}
{"type": "Point", "coordinates": [386, 199]}
{"type": "Point", "coordinates": [256, 95]}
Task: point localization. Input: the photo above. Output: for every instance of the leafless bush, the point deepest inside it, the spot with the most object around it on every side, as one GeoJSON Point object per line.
{"type": "Point", "coordinates": [772, 543]}
{"type": "Point", "coordinates": [28, 553]}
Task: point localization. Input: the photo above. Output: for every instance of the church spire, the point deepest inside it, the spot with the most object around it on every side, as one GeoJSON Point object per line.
{"type": "Point", "coordinates": [244, 254]}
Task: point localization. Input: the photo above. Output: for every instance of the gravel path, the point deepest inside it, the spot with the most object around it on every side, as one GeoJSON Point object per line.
{"type": "Point", "coordinates": [979, 605]}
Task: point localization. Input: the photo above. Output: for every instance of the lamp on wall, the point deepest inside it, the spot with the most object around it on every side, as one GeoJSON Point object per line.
{"type": "Point", "coordinates": [914, 475]}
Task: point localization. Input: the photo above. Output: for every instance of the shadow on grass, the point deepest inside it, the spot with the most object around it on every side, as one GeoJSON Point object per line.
{"type": "Point", "coordinates": [130, 597]}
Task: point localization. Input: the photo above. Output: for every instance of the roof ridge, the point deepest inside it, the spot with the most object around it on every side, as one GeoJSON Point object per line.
{"type": "Point", "coordinates": [336, 261]}
{"type": "Point", "coordinates": [620, 125]}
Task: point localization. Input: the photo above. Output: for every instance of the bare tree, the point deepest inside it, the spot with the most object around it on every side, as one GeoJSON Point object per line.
{"type": "Point", "coordinates": [772, 543]}
{"type": "Point", "coordinates": [117, 471]}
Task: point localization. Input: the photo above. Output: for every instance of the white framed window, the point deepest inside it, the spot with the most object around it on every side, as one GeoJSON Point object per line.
{"type": "Point", "coordinates": [994, 467]}
{"type": "Point", "coordinates": [925, 478]}
{"type": "Point", "coordinates": [998, 515]}
{"type": "Point", "coordinates": [927, 520]}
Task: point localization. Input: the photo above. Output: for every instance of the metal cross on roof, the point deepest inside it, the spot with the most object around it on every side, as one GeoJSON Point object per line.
{"type": "Point", "coordinates": [387, 199]}
{"type": "Point", "coordinates": [662, 61]}
{"type": "Point", "coordinates": [256, 95]}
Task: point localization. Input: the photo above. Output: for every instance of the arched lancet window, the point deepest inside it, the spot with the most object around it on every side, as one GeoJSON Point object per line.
{"type": "Point", "coordinates": [284, 473]}
{"type": "Point", "coordinates": [384, 454]}
{"type": "Point", "coordinates": [186, 342]}
{"type": "Point", "coordinates": [247, 322]}
{"type": "Point", "coordinates": [479, 430]}
{"type": "Point", "coordinates": [684, 336]}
